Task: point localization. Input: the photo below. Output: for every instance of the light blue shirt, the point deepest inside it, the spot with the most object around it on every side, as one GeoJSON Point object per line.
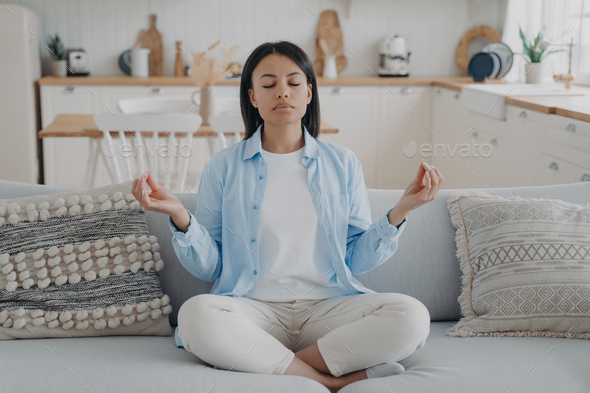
{"type": "Point", "coordinates": [229, 197]}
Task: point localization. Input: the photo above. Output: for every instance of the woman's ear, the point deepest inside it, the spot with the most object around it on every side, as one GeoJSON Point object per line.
{"type": "Point", "coordinates": [252, 98]}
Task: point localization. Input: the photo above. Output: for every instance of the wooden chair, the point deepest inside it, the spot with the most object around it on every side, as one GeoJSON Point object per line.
{"type": "Point", "coordinates": [169, 125]}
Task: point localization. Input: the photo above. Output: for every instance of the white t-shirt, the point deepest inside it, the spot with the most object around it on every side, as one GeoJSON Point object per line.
{"type": "Point", "coordinates": [294, 259]}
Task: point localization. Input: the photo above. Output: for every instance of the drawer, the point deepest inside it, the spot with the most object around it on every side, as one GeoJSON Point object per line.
{"type": "Point", "coordinates": [566, 124]}
{"type": "Point", "coordinates": [579, 174]}
{"type": "Point", "coordinates": [554, 170]}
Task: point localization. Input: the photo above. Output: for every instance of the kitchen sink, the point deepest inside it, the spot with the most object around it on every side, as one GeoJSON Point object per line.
{"type": "Point", "coordinates": [489, 99]}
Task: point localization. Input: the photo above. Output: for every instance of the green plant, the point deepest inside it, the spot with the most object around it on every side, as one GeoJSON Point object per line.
{"type": "Point", "coordinates": [56, 48]}
{"type": "Point", "coordinates": [530, 55]}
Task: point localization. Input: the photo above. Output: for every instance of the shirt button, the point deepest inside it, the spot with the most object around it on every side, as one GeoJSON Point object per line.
{"type": "Point", "coordinates": [255, 207]}
{"type": "Point", "coordinates": [253, 240]}
{"type": "Point", "coordinates": [261, 177]}
{"type": "Point", "coordinates": [255, 272]}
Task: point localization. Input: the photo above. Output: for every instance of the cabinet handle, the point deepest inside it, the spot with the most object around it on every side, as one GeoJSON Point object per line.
{"type": "Point", "coordinates": [457, 96]}
{"type": "Point", "coordinates": [554, 166]}
{"type": "Point", "coordinates": [158, 90]}
{"type": "Point", "coordinates": [571, 127]}
{"type": "Point", "coordinates": [438, 91]}
{"type": "Point", "coordinates": [475, 134]}
{"type": "Point", "coordinates": [406, 90]}
{"type": "Point", "coordinates": [585, 177]}
{"type": "Point", "coordinates": [523, 114]}
{"type": "Point", "coordinates": [338, 90]}
{"type": "Point", "coordinates": [71, 89]}
{"type": "Point", "coordinates": [494, 142]}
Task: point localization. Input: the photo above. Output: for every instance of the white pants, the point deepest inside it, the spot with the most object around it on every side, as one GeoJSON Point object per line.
{"type": "Point", "coordinates": [352, 332]}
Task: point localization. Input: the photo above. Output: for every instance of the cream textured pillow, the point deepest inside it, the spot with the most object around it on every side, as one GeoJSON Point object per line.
{"type": "Point", "coordinates": [526, 266]}
{"type": "Point", "coordinates": [79, 264]}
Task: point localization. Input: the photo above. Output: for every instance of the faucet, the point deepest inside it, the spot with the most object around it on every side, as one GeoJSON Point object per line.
{"type": "Point", "coordinates": [569, 77]}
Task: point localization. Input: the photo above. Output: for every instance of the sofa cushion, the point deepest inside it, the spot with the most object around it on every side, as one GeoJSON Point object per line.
{"type": "Point", "coordinates": [79, 263]}
{"type": "Point", "coordinates": [153, 364]}
{"type": "Point", "coordinates": [526, 266]}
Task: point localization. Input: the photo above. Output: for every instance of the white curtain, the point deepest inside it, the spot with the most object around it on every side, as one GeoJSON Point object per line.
{"type": "Point", "coordinates": [528, 14]}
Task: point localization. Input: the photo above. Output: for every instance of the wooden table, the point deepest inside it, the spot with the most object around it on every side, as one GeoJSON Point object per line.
{"type": "Point", "coordinates": [66, 125]}
{"type": "Point", "coordinates": [70, 125]}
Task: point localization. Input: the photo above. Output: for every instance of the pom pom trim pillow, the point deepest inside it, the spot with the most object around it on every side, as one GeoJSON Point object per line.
{"type": "Point", "coordinates": [80, 263]}
{"type": "Point", "coordinates": [525, 264]}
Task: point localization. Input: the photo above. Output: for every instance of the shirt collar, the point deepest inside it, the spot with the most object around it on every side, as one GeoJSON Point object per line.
{"type": "Point", "coordinates": [254, 144]}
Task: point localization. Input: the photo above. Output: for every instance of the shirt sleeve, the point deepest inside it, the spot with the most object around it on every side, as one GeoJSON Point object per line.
{"type": "Point", "coordinates": [368, 244]}
{"type": "Point", "coordinates": [199, 248]}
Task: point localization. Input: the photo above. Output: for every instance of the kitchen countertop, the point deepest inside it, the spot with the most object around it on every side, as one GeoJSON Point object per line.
{"type": "Point", "coordinates": [575, 107]}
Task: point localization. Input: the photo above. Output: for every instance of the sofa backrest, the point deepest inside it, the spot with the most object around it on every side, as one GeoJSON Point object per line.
{"type": "Point", "coordinates": [424, 266]}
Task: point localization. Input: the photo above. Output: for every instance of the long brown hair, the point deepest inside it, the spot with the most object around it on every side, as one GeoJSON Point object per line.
{"type": "Point", "coordinates": [251, 116]}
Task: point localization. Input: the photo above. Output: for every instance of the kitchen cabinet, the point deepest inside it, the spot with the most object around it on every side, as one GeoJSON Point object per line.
{"type": "Point", "coordinates": [449, 131]}
{"type": "Point", "coordinates": [404, 115]}
{"type": "Point", "coordinates": [565, 151]}
{"type": "Point", "coordinates": [354, 111]}
{"type": "Point", "coordinates": [62, 156]}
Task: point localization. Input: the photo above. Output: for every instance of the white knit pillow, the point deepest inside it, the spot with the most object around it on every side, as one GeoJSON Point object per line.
{"type": "Point", "coordinates": [80, 263]}
{"type": "Point", "coordinates": [526, 266]}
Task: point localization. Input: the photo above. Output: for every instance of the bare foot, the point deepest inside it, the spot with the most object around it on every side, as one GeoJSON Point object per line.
{"type": "Point", "coordinates": [334, 384]}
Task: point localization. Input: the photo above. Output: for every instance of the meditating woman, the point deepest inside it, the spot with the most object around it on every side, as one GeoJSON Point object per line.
{"type": "Point", "coordinates": [281, 224]}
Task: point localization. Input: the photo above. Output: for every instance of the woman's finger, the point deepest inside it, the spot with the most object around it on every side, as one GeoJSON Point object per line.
{"type": "Point", "coordinates": [435, 182]}
{"type": "Point", "coordinates": [428, 184]}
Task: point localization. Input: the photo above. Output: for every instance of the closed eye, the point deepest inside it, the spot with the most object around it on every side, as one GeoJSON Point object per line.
{"type": "Point", "coordinates": [268, 87]}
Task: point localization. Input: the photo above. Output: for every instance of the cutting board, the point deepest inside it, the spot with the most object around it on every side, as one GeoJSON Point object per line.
{"type": "Point", "coordinates": [329, 27]}
{"type": "Point", "coordinates": [153, 41]}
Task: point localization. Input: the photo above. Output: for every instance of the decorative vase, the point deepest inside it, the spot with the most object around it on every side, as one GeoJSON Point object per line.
{"type": "Point", "coordinates": [330, 69]}
{"type": "Point", "coordinates": [58, 68]}
{"type": "Point", "coordinates": [208, 105]}
{"type": "Point", "coordinates": [535, 72]}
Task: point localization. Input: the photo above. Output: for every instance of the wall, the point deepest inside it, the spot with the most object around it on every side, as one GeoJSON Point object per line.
{"type": "Point", "coordinates": [108, 27]}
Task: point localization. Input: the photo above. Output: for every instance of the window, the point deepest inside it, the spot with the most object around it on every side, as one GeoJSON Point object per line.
{"type": "Point", "coordinates": [564, 20]}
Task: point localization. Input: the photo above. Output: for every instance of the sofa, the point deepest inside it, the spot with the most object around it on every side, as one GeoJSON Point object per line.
{"type": "Point", "coordinates": [424, 266]}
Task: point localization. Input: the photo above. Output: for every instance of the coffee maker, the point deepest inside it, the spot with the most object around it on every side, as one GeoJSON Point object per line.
{"type": "Point", "coordinates": [394, 58]}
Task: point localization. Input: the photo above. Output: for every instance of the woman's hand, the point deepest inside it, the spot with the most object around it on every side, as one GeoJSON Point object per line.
{"type": "Point", "coordinates": [422, 190]}
{"type": "Point", "coordinates": [159, 200]}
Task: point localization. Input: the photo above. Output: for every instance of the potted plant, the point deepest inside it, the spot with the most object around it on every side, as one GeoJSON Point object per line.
{"type": "Point", "coordinates": [535, 68]}
{"type": "Point", "coordinates": [58, 56]}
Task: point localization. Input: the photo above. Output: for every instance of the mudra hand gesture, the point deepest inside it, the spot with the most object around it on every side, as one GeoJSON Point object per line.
{"type": "Point", "coordinates": [423, 189]}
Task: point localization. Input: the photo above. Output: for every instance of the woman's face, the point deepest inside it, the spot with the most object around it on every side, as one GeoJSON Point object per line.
{"type": "Point", "coordinates": [278, 80]}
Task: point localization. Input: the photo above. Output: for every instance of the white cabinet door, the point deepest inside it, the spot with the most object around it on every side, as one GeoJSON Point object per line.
{"type": "Point", "coordinates": [64, 159]}
{"type": "Point", "coordinates": [525, 130]}
{"type": "Point", "coordinates": [354, 111]}
{"type": "Point", "coordinates": [404, 116]}
{"type": "Point", "coordinates": [449, 131]}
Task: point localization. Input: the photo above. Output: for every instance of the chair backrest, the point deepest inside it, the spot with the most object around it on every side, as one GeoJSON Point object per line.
{"type": "Point", "coordinates": [169, 126]}
{"type": "Point", "coordinates": [178, 105]}
{"type": "Point", "coordinates": [227, 123]}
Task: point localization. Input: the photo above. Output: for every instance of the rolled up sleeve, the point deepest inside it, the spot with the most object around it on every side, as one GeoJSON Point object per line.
{"type": "Point", "coordinates": [368, 244]}
{"type": "Point", "coordinates": [199, 248]}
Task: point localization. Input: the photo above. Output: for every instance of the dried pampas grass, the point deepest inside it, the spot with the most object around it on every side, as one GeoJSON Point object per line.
{"type": "Point", "coordinates": [207, 71]}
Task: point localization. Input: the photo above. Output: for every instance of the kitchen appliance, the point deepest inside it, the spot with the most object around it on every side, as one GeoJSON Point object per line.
{"type": "Point", "coordinates": [77, 62]}
{"type": "Point", "coordinates": [492, 62]}
{"type": "Point", "coordinates": [394, 57]}
{"type": "Point", "coordinates": [20, 68]}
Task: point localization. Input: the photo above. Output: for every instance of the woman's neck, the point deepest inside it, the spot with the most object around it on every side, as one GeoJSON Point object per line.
{"type": "Point", "coordinates": [282, 139]}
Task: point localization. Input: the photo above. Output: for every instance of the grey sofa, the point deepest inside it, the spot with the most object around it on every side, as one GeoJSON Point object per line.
{"type": "Point", "coordinates": [424, 266]}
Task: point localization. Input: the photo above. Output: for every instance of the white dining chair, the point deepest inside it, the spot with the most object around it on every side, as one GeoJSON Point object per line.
{"type": "Point", "coordinates": [154, 124]}
{"type": "Point", "coordinates": [161, 105]}
{"type": "Point", "coordinates": [228, 120]}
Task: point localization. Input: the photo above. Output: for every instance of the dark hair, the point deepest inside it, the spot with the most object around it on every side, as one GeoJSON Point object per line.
{"type": "Point", "coordinates": [251, 116]}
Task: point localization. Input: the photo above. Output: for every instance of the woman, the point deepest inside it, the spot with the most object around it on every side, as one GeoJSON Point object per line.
{"type": "Point", "coordinates": [293, 215]}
